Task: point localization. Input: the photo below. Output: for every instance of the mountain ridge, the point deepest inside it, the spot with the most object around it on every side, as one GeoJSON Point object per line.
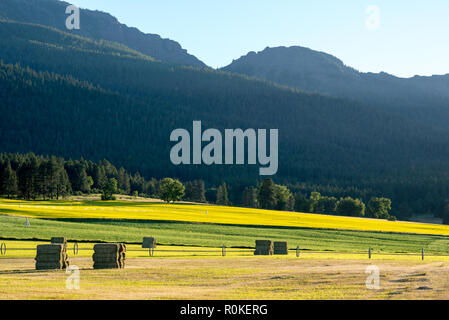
{"type": "Point", "coordinates": [97, 25]}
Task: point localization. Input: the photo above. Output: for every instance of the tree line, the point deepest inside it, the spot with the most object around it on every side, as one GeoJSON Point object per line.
{"type": "Point", "coordinates": [33, 177]}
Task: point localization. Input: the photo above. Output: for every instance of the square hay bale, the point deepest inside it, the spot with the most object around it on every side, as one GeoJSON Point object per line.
{"type": "Point", "coordinates": [280, 247]}
{"type": "Point", "coordinates": [106, 247]}
{"type": "Point", "coordinates": [264, 247]}
{"type": "Point", "coordinates": [109, 255]}
{"type": "Point", "coordinates": [51, 256]}
{"type": "Point", "coordinates": [149, 243]}
{"type": "Point", "coordinates": [107, 265]}
{"type": "Point", "coordinates": [50, 248]}
{"type": "Point", "coordinates": [100, 257]}
{"type": "Point", "coordinates": [263, 243]}
{"type": "Point", "coordinates": [60, 240]}
{"type": "Point", "coordinates": [43, 257]}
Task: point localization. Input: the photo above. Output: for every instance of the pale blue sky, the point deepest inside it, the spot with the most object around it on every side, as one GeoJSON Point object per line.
{"type": "Point", "coordinates": [412, 37]}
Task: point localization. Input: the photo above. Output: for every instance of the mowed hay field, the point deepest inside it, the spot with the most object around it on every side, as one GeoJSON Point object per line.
{"type": "Point", "coordinates": [237, 278]}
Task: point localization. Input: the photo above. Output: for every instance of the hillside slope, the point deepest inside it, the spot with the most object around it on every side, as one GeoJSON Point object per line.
{"type": "Point", "coordinates": [425, 99]}
{"type": "Point", "coordinates": [97, 25]}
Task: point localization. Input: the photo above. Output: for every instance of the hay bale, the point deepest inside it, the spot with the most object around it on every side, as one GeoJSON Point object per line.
{"type": "Point", "coordinates": [51, 256]}
{"type": "Point", "coordinates": [106, 247]}
{"type": "Point", "coordinates": [109, 255]}
{"type": "Point", "coordinates": [60, 240]}
{"type": "Point", "coordinates": [280, 247]}
{"type": "Point", "coordinates": [106, 257]}
{"type": "Point", "coordinates": [264, 247]}
{"type": "Point", "coordinates": [44, 257]}
{"type": "Point", "coordinates": [263, 243]}
{"type": "Point", "coordinates": [149, 243]}
{"type": "Point", "coordinates": [50, 248]}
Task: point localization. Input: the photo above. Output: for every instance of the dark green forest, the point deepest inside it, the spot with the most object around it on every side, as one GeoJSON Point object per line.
{"type": "Point", "coordinates": [74, 97]}
{"type": "Point", "coordinates": [32, 177]}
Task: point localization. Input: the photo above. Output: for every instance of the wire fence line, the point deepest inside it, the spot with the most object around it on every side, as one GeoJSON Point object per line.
{"type": "Point", "coordinates": [224, 251]}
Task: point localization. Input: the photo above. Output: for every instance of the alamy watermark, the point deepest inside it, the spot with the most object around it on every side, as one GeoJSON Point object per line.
{"type": "Point", "coordinates": [73, 280]}
{"type": "Point", "coordinates": [212, 153]}
{"type": "Point", "coordinates": [373, 20]}
{"type": "Point", "coordinates": [73, 20]}
{"type": "Point", "coordinates": [373, 279]}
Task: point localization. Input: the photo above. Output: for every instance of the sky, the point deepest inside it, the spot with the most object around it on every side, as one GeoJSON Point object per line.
{"type": "Point", "coordinates": [404, 38]}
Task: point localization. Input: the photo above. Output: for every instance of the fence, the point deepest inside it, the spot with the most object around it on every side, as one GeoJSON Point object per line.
{"type": "Point", "coordinates": [224, 251]}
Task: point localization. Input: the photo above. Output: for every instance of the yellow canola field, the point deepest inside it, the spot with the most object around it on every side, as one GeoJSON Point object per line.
{"type": "Point", "coordinates": [207, 214]}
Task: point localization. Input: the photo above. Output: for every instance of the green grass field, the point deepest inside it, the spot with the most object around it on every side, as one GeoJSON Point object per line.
{"type": "Point", "coordinates": [115, 227]}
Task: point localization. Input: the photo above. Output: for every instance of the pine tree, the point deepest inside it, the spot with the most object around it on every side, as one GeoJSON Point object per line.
{"type": "Point", "coordinates": [27, 174]}
{"type": "Point", "coordinates": [199, 191]}
{"type": "Point", "coordinates": [266, 195]}
{"type": "Point", "coordinates": [124, 181]}
{"type": "Point", "coordinates": [63, 186]}
{"type": "Point", "coordinates": [101, 177]}
{"type": "Point", "coordinates": [249, 197]}
{"type": "Point", "coordinates": [9, 181]}
{"type": "Point", "coordinates": [138, 184]}
{"type": "Point", "coordinates": [222, 195]}
{"type": "Point", "coordinates": [189, 191]}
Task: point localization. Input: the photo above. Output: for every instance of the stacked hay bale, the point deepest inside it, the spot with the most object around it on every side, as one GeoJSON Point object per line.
{"type": "Point", "coordinates": [51, 256]}
{"type": "Point", "coordinates": [59, 240]}
{"type": "Point", "coordinates": [109, 256]}
{"type": "Point", "coordinates": [149, 243]}
{"type": "Point", "coordinates": [280, 247]}
{"type": "Point", "coordinates": [264, 248]}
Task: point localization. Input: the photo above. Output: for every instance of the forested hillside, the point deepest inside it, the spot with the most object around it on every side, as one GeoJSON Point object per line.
{"type": "Point", "coordinates": [76, 97]}
{"type": "Point", "coordinates": [97, 25]}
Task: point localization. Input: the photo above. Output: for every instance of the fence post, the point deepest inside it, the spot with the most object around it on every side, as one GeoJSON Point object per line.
{"type": "Point", "coordinates": [422, 253]}
{"type": "Point", "coordinates": [369, 253]}
{"type": "Point", "coordinates": [297, 251]}
{"type": "Point", "coordinates": [223, 251]}
{"type": "Point", "coordinates": [3, 249]}
{"type": "Point", "coordinates": [75, 248]}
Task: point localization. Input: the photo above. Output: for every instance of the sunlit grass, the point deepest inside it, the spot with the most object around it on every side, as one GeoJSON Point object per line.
{"type": "Point", "coordinates": [236, 278]}
{"type": "Point", "coordinates": [207, 214]}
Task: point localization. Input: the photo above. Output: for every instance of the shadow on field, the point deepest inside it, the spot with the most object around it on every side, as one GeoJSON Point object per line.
{"type": "Point", "coordinates": [32, 271]}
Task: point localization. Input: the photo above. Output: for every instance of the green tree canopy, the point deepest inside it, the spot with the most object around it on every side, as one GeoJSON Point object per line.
{"type": "Point", "coordinates": [379, 208]}
{"type": "Point", "coordinates": [171, 190]}
{"type": "Point", "coordinates": [109, 189]}
{"type": "Point", "coordinates": [351, 207]}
